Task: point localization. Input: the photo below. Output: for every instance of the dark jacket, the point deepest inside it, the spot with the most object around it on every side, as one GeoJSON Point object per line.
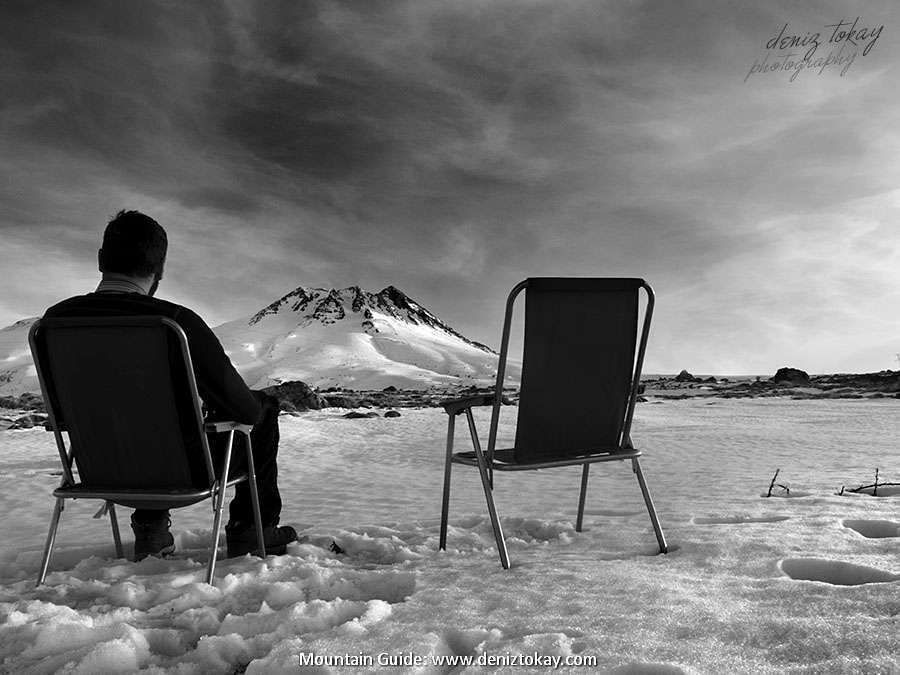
{"type": "Point", "coordinates": [219, 384]}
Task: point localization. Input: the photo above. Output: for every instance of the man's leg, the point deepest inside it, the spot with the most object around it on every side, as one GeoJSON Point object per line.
{"type": "Point", "coordinates": [151, 533]}
{"type": "Point", "coordinates": [264, 438]}
{"type": "Point", "coordinates": [240, 532]}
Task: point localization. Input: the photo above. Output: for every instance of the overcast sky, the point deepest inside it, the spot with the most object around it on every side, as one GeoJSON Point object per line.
{"type": "Point", "coordinates": [454, 148]}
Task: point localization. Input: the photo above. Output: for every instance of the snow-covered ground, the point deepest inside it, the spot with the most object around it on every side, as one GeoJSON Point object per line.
{"type": "Point", "coordinates": [799, 583]}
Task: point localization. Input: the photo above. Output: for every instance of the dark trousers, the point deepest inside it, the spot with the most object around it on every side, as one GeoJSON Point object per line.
{"type": "Point", "coordinates": [264, 438]}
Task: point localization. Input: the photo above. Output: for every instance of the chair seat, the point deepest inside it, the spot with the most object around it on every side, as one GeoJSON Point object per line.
{"type": "Point", "coordinates": [504, 460]}
{"type": "Point", "coordinates": [140, 498]}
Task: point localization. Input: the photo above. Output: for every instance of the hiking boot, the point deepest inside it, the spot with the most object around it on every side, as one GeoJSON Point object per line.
{"type": "Point", "coordinates": [152, 538]}
{"type": "Point", "coordinates": [241, 538]}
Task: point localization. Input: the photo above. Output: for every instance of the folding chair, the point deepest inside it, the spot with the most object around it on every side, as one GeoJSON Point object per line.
{"type": "Point", "coordinates": [581, 370]}
{"type": "Point", "coordinates": [123, 389]}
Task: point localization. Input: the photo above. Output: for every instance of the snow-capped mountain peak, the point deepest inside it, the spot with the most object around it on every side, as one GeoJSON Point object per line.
{"type": "Point", "coordinates": [353, 338]}
{"type": "Point", "coordinates": [347, 337]}
{"type": "Point", "coordinates": [328, 306]}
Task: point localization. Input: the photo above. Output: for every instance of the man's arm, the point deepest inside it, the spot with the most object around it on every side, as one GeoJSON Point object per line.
{"type": "Point", "coordinates": [220, 386]}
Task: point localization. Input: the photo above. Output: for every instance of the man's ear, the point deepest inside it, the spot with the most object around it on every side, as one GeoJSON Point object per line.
{"type": "Point", "coordinates": [100, 259]}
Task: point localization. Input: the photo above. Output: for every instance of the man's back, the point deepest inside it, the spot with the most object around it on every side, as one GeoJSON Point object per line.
{"type": "Point", "coordinates": [219, 384]}
{"type": "Point", "coordinates": [132, 260]}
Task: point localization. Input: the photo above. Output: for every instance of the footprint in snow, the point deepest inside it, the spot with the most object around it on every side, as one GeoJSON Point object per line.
{"type": "Point", "coordinates": [874, 529]}
{"type": "Point", "coordinates": [834, 572]}
{"type": "Point", "coordinates": [738, 519]}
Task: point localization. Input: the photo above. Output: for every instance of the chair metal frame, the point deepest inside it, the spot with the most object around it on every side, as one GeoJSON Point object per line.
{"type": "Point", "coordinates": [70, 488]}
{"type": "Point", "coordinates": [500, 460]}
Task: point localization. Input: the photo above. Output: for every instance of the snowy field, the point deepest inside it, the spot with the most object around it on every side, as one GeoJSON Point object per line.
{"type": "Point", "coordinates": [805, 583]}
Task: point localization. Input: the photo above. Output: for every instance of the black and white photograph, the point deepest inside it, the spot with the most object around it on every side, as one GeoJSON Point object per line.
{"type": "Point", "coordinates": [450, 336]}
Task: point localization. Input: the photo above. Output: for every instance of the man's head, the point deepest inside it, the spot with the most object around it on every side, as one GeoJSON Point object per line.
{"type": "Point", "coordinates": [134, 245]}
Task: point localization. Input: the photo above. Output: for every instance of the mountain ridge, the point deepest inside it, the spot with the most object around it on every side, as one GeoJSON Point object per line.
{"type": "Point", "coordinates": [347, 337]}
{"type": "Point", "coordinates": [389, 299]}
{"type": "Point", "coordinates": [351, 337]}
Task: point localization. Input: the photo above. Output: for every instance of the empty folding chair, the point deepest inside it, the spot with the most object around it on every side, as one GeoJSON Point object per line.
{"type": "Point", "coordinates": [581, 369]}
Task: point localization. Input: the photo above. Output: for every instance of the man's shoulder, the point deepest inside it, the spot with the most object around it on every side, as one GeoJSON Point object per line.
{"type": "Point", "coordinates": [123, 304]}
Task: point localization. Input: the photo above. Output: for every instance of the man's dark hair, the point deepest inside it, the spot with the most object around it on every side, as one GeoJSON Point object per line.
{"type": "Point", "coordinates": [133, 244]}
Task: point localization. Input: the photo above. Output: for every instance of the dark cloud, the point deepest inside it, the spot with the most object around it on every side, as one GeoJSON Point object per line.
{"type": "Point", "coordinates": [219, 199]}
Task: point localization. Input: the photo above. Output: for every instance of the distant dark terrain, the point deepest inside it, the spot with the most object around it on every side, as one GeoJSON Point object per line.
{"type": "Point", "coordinates": [787, 382]}
{"type": "Point", "coordinates": [27, 410]}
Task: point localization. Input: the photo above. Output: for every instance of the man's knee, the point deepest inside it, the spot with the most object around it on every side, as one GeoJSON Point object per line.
{"type": "Point", "coordinates": [269, 405]}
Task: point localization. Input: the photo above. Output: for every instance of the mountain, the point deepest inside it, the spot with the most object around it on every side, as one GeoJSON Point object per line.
{"type": "Point", "coordinates": [349, 338]}
{"type": "Point", "coordinates": [17, 373]}
{"type": "Point", "coordinates": [355, 339]}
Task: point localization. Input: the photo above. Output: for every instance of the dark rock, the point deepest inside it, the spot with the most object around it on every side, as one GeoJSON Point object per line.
{"type": "Point", "coordinates": [299, 394]}
{"type": "Point", "coordinates": [790, 376]}
{"type": "Point", "coordinates": [685, 376]}
{"type": "Point", "coordinates": [286, 406]}
{"type": "Point", "coordinates": [28, 421]}
{"type": "Point", "coordinates": [392, 413]}
{"type": "Point", "coordinates": [342, 401]}
{"type": "Point", "coordinates": [26, 401]}
{"type": "Point", "coordinates": [390, 388]}
{"type": "Point", "coordinates": [354, 415]}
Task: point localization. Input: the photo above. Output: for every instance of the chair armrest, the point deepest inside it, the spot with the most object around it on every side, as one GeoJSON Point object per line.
{"type": "Point", "coordinates": [456, 406]}
{"type": "Point", "coordinates": [219, 427]}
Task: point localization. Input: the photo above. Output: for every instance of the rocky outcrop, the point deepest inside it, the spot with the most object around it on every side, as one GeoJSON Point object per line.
{"type": "Point", "coordinates": [354, 415]}
{"type": "Point", "coordinates": [29, 422]}
{"type": "Point", "coordinates": [685, 376]}
{"type": "Point", "coordinates": [787, 382]}
{"type": "Point", "coordinates": [886, 381]}
{"type": "Point", "coordinates": [791, 376]}
{"type": "Point", "coordinates": [299, 395]}
{"type": "Point", "coordinates": [26, 401]}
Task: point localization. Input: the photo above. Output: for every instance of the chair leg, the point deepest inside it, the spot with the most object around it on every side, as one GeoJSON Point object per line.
{"type": "Point", "coordinates": [114, 522]}
{"type": "Point", "coordinates": [448, 466]}
{"type": "Point", "coordinates": [582, 497]}
{"type": "Point", "coordinates": [218, 507]}
{"type": "Point", "coordinates": [488, 493]}
{"type": "Point", "coordinates": [660, 537]}
{"type": "Point", "coordinates": [254, 499]}
{"type": "Point", "coordinates": [51, 539]}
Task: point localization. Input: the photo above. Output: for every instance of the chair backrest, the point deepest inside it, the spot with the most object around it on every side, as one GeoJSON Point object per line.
{"type": "Point", "coordinates": [580, 367]}
{"type": "Point", "coordinates": [124, 390]}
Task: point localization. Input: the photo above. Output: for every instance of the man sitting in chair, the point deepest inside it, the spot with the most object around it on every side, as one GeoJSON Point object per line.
{"type": "Point", "coordinates": [131, 260]}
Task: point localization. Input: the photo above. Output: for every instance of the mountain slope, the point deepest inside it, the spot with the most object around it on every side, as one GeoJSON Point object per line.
{"type": "Point", "coordinates": [356, 339]}
{"type": "Point", "coordinates": [324, 337]}
{"type": "Point", "coordinates": [17, 373]}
